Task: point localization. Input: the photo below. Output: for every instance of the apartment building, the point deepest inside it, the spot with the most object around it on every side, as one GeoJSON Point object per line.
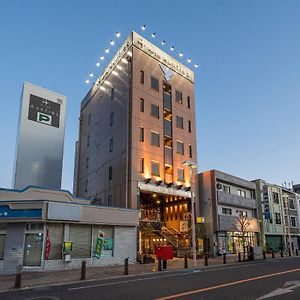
{"type": "Point", "coordinates": [137, 127]}
{"type": "Point", "coordinates": [225, 202]}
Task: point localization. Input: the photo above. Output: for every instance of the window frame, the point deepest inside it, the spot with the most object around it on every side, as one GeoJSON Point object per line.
{"type": "Point", "coordinates": [154, 162]}
{"type": "Point", "coordinates": [153, 78]}
{"type": "Point", "coordinates": [142, 134]}
{"type": "Point", "coordinates": [178, 118]}
{"type": "Point", "coordinates": [154, 111]}
{"type": "Point", "coordinates": [177, 92]}
{"type": "Point", "coordinates": [158, 136]}
{"type": "Point", "coordinates": [182, 144]}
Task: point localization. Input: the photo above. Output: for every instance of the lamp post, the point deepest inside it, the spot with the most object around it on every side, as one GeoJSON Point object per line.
{"type": "Point", "coordinates": [192, 165]}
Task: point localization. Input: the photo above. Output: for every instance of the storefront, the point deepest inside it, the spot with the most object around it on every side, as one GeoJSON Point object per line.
{"type": "Point", "coordinates": [51, 234]}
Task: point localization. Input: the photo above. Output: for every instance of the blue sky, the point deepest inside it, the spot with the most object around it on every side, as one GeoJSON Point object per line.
{"type": "Point", "coordinates": [247, 84]}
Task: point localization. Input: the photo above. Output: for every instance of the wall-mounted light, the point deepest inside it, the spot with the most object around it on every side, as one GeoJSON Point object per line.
{"type": "Point", "coordinates": [180, 54]}
{"type": "Point", "coordinates": [153, 34]}
{"type": "Point", "coordinates": [118, 34]}
{"type": "Point", "coordinates": [97, 64]}
{"type": "Point", "coordinates": [169, 184]}
{"type": "Point", "coordinates": [106, 50]}
{"type": "Point", "coordinates": [178, 187]}
{"type": "Point", "coordinates": [172, 48]}
{"type": "Point", "coordinates": [158, 182]}
{"type": "Point", "coordinates": [91, 75]}
{"type": "Point", "coordinates": [147, 180]}
{"type": "Point", "coordinates": [144, 27]}
{"type": "Point", "coordinates": [87, 81]}
{"type": "Point", "coordinates": [196, 65]}
{"type": "Point", "coordinates": [163, 42]}
{"type": "Point", "coordinates": [102, 57]}
{"type": "Point", "coordinates": [112, 42]}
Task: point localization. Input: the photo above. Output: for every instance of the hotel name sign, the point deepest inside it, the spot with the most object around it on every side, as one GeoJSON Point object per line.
{"type": "Point", "coordinates": [162, 57]}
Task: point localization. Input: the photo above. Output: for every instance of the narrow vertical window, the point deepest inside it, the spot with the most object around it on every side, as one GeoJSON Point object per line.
{"type": "Point", "coordinates": [142, 105]}
{"type": "Point", "coordinates": [190, 151]}
{"type": "Point", "coordinates": [88, 141]}
{"type": "Point", "coordinates": [190, 126]}
{"type": "Point", "coordinates": [112, 116]}
{"type": "Point", "coordinates": [89, 119]}
{"type": "Point", "coordinates": [86, 186]}
{"type": "Point", "coordinates": [154, 83]}
{"type": "Point", "coordinates": [141, 134]}
{"type": "Point", "coordinates": [110, 173]}
{"type": "Point", "coordinates": [109, 200]}
{"type": "Point", "coordinates": [112, 95]}
{"type": "Point", "coordinates": [142, 77]}
{"type": "Point", "coordinates": [87, 162]}
{"type": "Point", "coordinates": [178, 96]}
{"type": "Point", "coordinates": [189, 102]}
{"type": "Point", "coordinates": [142, 165]}
{"type": "Point", "coordinates": [111, 145]}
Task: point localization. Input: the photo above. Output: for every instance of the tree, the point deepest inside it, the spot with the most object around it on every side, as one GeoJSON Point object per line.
{"type": "Point", "coordinates": [241, 225]}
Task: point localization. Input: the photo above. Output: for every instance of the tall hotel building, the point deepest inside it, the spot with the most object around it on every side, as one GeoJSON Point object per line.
{"type": "Point", "coordinates": [137, 127]}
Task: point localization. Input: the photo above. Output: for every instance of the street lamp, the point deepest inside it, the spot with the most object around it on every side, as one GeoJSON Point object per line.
{"type": "Point", "coordinates": [192, 165]}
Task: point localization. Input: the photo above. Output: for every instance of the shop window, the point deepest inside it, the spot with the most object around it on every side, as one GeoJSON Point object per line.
{"type": "Point", "coordinates": [56, 235]}
{"type": "Point", "coordinates": [106, 233]}
{"type": "Point", "coordinates": [33, 249]}
{"type": "Point", "coordinates": [154, 83]}
{"type": "Point", "coordinates": [81, 237]}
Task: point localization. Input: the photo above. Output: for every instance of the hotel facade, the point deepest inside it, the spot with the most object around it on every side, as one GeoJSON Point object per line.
{"type": "Point", "coordinates": [137, 127]}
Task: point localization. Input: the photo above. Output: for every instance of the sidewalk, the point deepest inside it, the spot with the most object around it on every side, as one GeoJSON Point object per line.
{"type": "Point", "coordinates": [31, 279]}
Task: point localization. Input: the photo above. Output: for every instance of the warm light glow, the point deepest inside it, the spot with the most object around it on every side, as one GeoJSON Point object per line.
{"type": "Point", "coordinates": [154, 195]}
{"type": "Point", "coordinates": [107, 82]}
{"type": "Point", "coordinates": [102, 88]}
{"type": "Point", "coordinates": [129, 53]}
{"type": "Point", "coordinates": [124, 60]}
{"type": "Point", "coordinates": [118, 34]}
{"type": "Point", "coordinates": [102, 57]}
{"type": "Point", "coordinates": [115, 73]}
{"type": "Point", "coordinates": [144, 27]}
{"type": "Point", "coordinates": [97, 64]}
{"type": "Point", "coordinates": [119, 67]}
{"type": "Point", "coordinates": [112, 42]}
{"type": "Point", "coordinates": [106, 50]}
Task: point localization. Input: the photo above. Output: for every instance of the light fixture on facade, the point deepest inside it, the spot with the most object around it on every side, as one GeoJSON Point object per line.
{"type": "Point", "coordinates": [112, 42]}
{"type": "Point", "coordinates": [91, 75]}
{"type": "Point", "coordinates": [172, 48]}
{"type": "Point", "coordinates": [196, 65]}
{"type": "Point", "coordinates": [163, 42]}
{"type": "Point", "coordinates": [158, 182]}
{"type": "Point", "coordinates": [180, 54]}
{"type": "Point", "coordinates": [87, 81]}
{"type": "Point", "coordinates": [188, 188]}
{"type": "Point", "coordinates": [129, 53]}
{"type": "Point", "coordinates": [102, 57]}
{"type": "Point", "coordinates": [178, 187]}
{"type": "Point", "coordinates": [153, 34]}
{"type": "Point", "coordinates": [115, 73]}
{"type": "Point", "coordinates": [97, 64]}
{"type": "Point", "coordinates": [102, 88]}
{"type": "Point", "coordinates": [144, 27]}
{"type": "Point", "coordinates": [189, 60]}
{"type": "Point", "coordinates": [118, 34]}
{"type": "Point", "coordinates": [106, 50]}
{"type": "Point", "coordinates": [119, 67]}
{"type": "Point", "coordinates": [123, 60]}
{"type": "Point", "coordinates": [147, 180]}
{"type": "Point", "coordinates": [169, 184]}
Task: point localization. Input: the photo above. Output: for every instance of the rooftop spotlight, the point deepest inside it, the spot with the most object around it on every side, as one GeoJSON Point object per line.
{"type": "Point", "coordinates": [163, 42]}
{"type": "Point", "coordinates": [144, 27]}
{"type": "Point", "coordinates": [97, 64]}
{"type": "Point", "coordinates": [118, 34]}
{"type": "Point", "coordinates": [172, 48]}
{"type": "Point", "coordinates": [87, 81]}
{"type": "Point", "coordinates": [106, 50]}
{"type": "Point", "coordinates": [181, 54]}
{"type": "Point", "coordinates": [189, 60]}
{"type": "Point", "coordinates": [153, 34]}
{"type": "Point", "coordinates": [91, 75]}
{"type": "Point", "coordinates": [112, 42]}
{"type": "Point", "coordinates": [196, 65]}
{"type": "Point", "coordinates": [102, 57]}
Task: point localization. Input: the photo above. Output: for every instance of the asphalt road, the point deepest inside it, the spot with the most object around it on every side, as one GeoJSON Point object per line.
{"type": "Point", "coordinates": [244, 281]}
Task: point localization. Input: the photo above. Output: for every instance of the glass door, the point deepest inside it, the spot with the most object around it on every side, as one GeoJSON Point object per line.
{"type": "Point", "coordinates": [33, 249]}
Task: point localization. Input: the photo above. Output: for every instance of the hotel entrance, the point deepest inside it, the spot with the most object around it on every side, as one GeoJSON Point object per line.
{"type": "Point", "coordinates": [164, 220]}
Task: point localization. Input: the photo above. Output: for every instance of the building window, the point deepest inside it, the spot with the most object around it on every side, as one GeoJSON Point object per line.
{"type": "Point", "coordinates": [180, 147]}
{"type": "Point", "coordinates": [109, 200]}
{"type": "Point", "coordinates": [190, 151]}
{"type": "Point", "coordinates": [142, 165]}
{"type": "Point", "coordinates": [276, 198]}
{"type": "Point", "coordinates": [180, 174]}
{"type": "Point", "coordinates": [112, 116]}
{"type": "Point", "coordinates": [111, 145]}
{"type": "Point", "coordinates": [141, 134]}
{"type": "Point", "coordinates": [154, 83]}
{"type": "Point", "coordinates": [2, 245]}
{"type": "Point", "coordinates": [225, 188]}
{"type": "Point", "coordinates": [86, 186]}
{"type": "Point", "coordinates": [242, 193]}
{"type": "Point", "coordinates": [155, 111]}
{"type": "Point", "coordinates": [179, 122]}
{"type": "Point", "coordinates": [142, 77]}
{"type": "Point", "coordinates": [142, 105]}
{"type": "Point", "coordinates": [178, 96]}
{"type": "Point", "coordinates": [154, 138]}
{"type": "Point", "coordinates": [189, 102]}
{"type": "Point", "coordinates": [291, 203]}
{"type": "Point", "coordinates": [277, 218]}
{"type": "Point", "coordinates": [87, 162]}
{"type": "Point", "coordinates": [110, 173]}
{"type": "Point", "coordinates": [254, 213]}
{"type": "Point", "coordinates": [154, 168]}
{"type": "Point", "coordinates": [293, 221]}
{"type": "Point", "coordinates": [89, 119]}
{"type": "Point", "coordinates": [226, 211]}
{"type": "Point", "coordinates": [88, 141]}
{"type": "Point", "coordinates": [112, 94]}
{"type": "Point", "coordinates": [190, 125]}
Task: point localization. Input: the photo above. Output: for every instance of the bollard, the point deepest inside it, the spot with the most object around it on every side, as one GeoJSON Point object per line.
{"type": "Point", "coordinates": [224, 258]}
{"type": "Point", "coordinates": [281, 253]}
{"type": "Point", "coordinates": [297, 252]}
{"type": "Point", "coordinates": [290, 253]}
{"type": "Point", "coordinates": [186, 262]}
{"type": "Point", "coordinates": [239, 256]}
{"type": "Point", "coordinates": [273, 254]}
{"type": "Point", "coordinates": [18, 278]}
{"type": "Point", "coordinates": [206, 259]}
{"type": "Point", "coordinates": [83, 270]}
{"type": "Point", "coordinates": [159, 264]}
{"type": "Point", "coordinates": [264, 254]}
{"type": "Point", "coordinates": [126, 266]}
{"type": "Point", "coordinates": [165, 264]}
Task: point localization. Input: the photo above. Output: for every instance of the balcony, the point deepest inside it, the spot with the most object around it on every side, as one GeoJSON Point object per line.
{"type": "Point", "coordinates": [167, 128]}
{"type": "Point", "coordinates": [168, 156]}
{"type": "Point", "coordinates": [167, 101]}
{"type": "Point", "coordinates": [228, 223]}
{"type": "Point", "coordinates": [235, 200]}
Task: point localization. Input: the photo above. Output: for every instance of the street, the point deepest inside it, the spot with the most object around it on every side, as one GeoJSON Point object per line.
{"type": "Point", "coordinates": [275, 279]}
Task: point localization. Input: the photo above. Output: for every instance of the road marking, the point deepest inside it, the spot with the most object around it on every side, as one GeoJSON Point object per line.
{"type": "Point", "coordinates": [225, 285]}
{"type": "Point", "coordinates": [289, 287]}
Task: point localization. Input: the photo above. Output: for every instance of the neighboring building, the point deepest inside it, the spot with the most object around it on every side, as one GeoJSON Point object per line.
{"type": "Point", "coordinates": [40, 140]}
{"type": "Point", "coordinates": [296, 188]}
{"type": "Point", "coordinates": [225, 200]}
{"type": "Point", "coordinates": [37, 226]}
{"type": "Point", "coordinates": [270, 204]}
{"type": "Point", "coordinates": [137, 127]}
{"type": "Point", "coordinates": [291, 218]}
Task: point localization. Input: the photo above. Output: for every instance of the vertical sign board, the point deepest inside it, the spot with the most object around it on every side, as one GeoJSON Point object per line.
{"type": "Point", "coordinates": [266, 204]}
{"type": "Point", "coordinates": [39, 153]}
